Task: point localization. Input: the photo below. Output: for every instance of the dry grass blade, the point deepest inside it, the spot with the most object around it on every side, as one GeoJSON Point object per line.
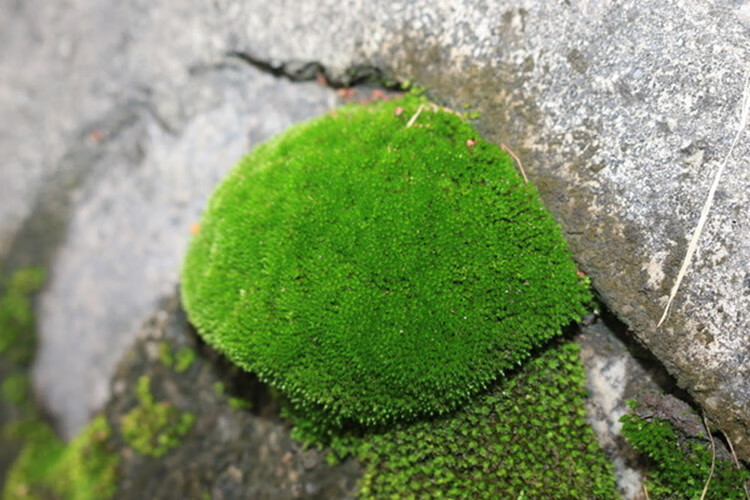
{"type": "Point", "coordinates": [693, 245]}
{"type": "Point", "coordinates": [415, 116]}
{"type": "Point", "coordinates": [713, 459]}
{"type": "Point", "coordinates": [736, 463]}
{"type": "Point", "coordinates": [517, 160]}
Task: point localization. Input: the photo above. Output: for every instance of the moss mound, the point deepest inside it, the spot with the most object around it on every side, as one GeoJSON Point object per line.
{"type": "Point", "coordinates": [526, 438]}
{"type": "Point", "coordinates": [376, 268]}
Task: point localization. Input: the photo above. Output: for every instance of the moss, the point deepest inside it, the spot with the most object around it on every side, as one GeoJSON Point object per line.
{"type": "Point", "coordinates": [184, 359]}
{"type": "Point", "coordinates": [86, 469]}
{"type": "Point", "coordinates": [180, 361]}
{"type": "Point", "coordinates": [679, 467]}
{"type": "Point", "coordinates": [165, 354]}
{"type": "Point", "coordinates": [152, 428]}
{"type": "Point", "coordinates": [15, 389]}
{"type": "Point", "coordinates": [17, 335]}
{"type": "Point", "coordinates": [31, 473]}
{"type": "Point", "coordinates": [527, 437]}
{"type": "Point", "coordinates": [375, 271]}
{"type": "Point", "coordinates": [17, 344]}
{"type": "Point", "coordinates": [240, 404]}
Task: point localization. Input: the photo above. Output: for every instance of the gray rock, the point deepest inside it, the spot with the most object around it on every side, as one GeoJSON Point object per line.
{"type": "Point", "coordinates": [230, 451]}
{"type": "Point", "coordinates": [621, 112]}
{"type": "Point", "coordinates": [131, 221]}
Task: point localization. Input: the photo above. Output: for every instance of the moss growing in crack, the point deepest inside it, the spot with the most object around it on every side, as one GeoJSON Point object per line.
{"type": "Point", "coordinates": [679, 468]}
{"type": "Point", "coordinates": [152, 428]}
{"type": "Point", "coordinates": [527, 437]}
{"type": "Point", "coordinates": [17, 336]}
{"type": "Point", "coordinates": [379, 264]}
{"type": "Point", "coordinates": [85, 469]}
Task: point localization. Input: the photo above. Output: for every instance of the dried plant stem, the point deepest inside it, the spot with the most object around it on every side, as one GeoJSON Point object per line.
{"type": "Point", "coordinates": [693, 245]}
{"type": "Point", "coordinates": [415, 116]}
{"type": "Point", "coordinates": [736, 462]}
{"type": "Point", "coordinates": [517, 160]}
{"type": "Point", "coordinates": [713, 459]}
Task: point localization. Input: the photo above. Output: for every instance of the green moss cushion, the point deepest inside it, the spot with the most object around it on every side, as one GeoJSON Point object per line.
{"type": "Point", "coordinates": [376, 270]}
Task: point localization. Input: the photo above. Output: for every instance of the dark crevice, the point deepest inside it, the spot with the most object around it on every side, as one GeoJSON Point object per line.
{"type": "Point", "coordinates": [264, 400]}
{"type": "Point", "coordinates": [301, 71]}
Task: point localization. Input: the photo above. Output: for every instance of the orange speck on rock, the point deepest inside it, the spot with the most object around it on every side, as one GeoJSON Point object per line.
{"type": "Point", "coordinates": [96, 136]}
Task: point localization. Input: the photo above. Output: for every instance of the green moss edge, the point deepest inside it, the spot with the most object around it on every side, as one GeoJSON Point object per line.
{"type": "Point", "coordinates": [527, 437]}
{"type": "Point", "coordinates": [400, 392]}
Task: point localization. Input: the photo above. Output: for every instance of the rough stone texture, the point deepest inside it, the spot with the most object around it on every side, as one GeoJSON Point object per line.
{"type": "Point", "coordinates": [621, 113]}
{"type": "Point", "coordinates": [618, 371]}
{"type": "Point", "coordinates": [131, 221]}
{"type": "Point", "coordinates": [230, 452]}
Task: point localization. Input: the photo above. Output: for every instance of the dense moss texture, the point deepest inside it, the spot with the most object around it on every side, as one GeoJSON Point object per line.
{"type": "Point", "coordinates": [680, 467]}
{"type": "Point", "coordinates": [85, 469]}
{"type": "Point", "coordinates": [527, 437]}
{"type": "Point", "coordinates": [152, 428]}
{"type": "Point", "coordinates": [376, 270]}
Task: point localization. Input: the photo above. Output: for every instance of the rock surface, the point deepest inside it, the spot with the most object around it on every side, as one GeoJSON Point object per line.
{"type": "Point", "coordinates": [621, 113]}
{"type": "Point", "coordinates": [230, 451]}
{"type": "Point", "coordinates": [131, 223]}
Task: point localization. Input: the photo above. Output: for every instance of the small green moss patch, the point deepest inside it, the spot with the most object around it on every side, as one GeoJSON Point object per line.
{"type": "Point", "coordinates": [679, 468]}
{"type": "Point", "coordinates": [17, 335]}
{"type": "Point", "coordinates": [152, 428]}
{"type": "Point", "coordinates": [15, 389]}
{"type": "Point", "coordinates": [179, 361]}
{"type": "Point", "coordinates": [86, 469]}
{"type": "Point", "coordinates": [379, 263]}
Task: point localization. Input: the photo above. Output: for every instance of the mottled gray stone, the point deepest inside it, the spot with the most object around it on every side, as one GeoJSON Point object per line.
{"type": "Point", "coordinates": [131, 223]}
{"type": "Point", "coordinates": [620, 111]}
